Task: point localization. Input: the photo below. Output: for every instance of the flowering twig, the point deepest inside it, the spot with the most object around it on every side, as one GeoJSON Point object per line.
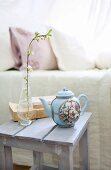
{"type": "Point", "coordinates": [37, 37]}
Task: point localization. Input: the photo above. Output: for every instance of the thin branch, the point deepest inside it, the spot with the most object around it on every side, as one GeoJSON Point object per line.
{"type": "Point", "coordinates": [29, 52]}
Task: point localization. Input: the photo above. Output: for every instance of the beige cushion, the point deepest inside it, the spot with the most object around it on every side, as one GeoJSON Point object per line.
{"type": "Point", "coordinates": [70, 52]}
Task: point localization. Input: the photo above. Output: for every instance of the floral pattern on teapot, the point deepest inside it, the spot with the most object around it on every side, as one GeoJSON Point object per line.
{"type": "Point", "coordinates": [69, 111]}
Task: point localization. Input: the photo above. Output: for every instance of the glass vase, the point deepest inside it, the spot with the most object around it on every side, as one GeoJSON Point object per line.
{"type": "Point", "coordinates": [25, 106]}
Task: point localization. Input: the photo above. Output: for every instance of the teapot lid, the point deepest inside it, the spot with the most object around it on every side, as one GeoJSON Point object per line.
{"type": "Point", "coordinates": [65, 93]}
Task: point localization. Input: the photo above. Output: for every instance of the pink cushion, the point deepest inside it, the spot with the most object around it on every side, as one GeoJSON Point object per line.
{"type": "Point", "coordinates": [42, 55]}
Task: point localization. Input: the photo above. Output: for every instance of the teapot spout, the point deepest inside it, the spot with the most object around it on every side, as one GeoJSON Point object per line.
{"type": "Point", "coordinates": [46, 106]}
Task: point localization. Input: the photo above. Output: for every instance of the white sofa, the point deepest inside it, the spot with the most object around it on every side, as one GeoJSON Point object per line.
{"type": "Point", "coordinates": [96, 84]}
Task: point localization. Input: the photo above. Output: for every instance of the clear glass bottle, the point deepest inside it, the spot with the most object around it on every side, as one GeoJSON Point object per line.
{"type": "Point", "coordinates": [25, 106]}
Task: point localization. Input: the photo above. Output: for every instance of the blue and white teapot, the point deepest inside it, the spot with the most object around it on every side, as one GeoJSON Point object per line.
{"type": "Point", "coordinates": [65, 109]}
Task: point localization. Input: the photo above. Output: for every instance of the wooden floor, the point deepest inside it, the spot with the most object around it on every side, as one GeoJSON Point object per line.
{"type": "Point", "coordinates": [19, 167]}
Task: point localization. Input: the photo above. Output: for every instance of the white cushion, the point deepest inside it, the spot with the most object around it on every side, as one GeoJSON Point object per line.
{"type": "Point", "coordinates": [6, 59]}
{"type": "Point", "coordinates": [103, 60]}
{"type": "Point", "coordinates": [103, 48]}
{"type": "Point", "coordinates": [70, 52]}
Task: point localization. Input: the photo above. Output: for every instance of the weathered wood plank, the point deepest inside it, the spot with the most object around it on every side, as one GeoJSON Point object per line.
{"type": "Point", "coordinates": [2, 157]}
{"type": "Point", "coordinates": [5, 157]}
{"type": "Point", "coordinates": [65, 158]}
{"type": "Point", "coordinates": [83, 150]}
{"type": "Point", "coordinates": [8, 158]}
{"type": "Point", "coordinates": [10, 128]}
{"type": "Point", "coordinates": [34, 167]}
{"type": "Point", "coordinates": [50, 167]}
{"type": "Point", "coordinates": [37, 130]}
{"type": "Point", "coordinates": [30, 145]}
{"type": "Point", "coordinates": [69, 136]}
{"type": "Point", "coordinates": [38, 160]}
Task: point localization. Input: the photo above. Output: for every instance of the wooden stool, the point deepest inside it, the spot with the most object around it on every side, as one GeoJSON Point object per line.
{"type": "Point", "coordinates": [44, 136]}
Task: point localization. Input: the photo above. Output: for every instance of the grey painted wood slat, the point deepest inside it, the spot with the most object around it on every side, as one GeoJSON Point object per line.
{"type": "Point", "coordinates": [49, 167]}
{"type": "Point", "coordinates": [10, 128]}
{"type": "Point", "coordinates": [37, 130]}
{"type": "Point", "coordinates": [65, 158]}
{"type": "Point", "coordinates": [8, 158]}
{"type": "Point", "coordinates": [5, 157]}
{"type": "Point", "coordinates": [83, 150]}
{"type": "Point", "coordinates": [69, 135]}
{"type": "Point", "coordinates": [2, 157]}
{"type": "Point", "coordinates": [34, 167]}
{"type": "Point", "coordinates": [38, 160]}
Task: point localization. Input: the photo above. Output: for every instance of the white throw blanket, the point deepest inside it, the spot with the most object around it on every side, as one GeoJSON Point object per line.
{"type": "Point", "coordinates": [96, 84]}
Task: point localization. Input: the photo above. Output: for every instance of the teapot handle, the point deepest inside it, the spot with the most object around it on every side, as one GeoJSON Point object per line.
{"type": "Point", "coordinates": [86, 102]}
